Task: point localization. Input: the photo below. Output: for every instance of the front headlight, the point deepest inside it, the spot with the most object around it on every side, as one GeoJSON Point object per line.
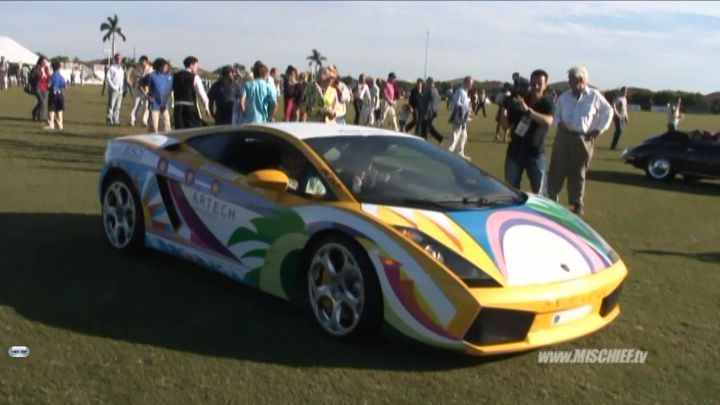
{"type": "Point", "coordinates": [468, 272]}
{"type": "Point", "coordinates": [625, 152]}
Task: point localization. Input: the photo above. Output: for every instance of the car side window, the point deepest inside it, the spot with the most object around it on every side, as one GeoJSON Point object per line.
{"type": "Point", "coordinates": [212, 146]}
{"type": "Point", "coordinates": [249, 151]}
{"type": "Point", "coordinates": [241, 151]}
{"type": "Point", "coordinates": [304, 179]}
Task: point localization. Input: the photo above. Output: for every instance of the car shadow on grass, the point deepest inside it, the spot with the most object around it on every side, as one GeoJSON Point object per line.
{"type": "Point", "coordinates": [60, 271]}
{"type": "Point", "coordinates": [711, 257]}
{"type": "Point", "coordinates": [702, 187]}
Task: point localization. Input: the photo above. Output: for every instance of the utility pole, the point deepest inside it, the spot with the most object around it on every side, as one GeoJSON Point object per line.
{"type": "Point", "coordinates": [427, 42]}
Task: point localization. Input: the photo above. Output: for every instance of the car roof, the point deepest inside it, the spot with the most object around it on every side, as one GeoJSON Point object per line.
{"type": "Point", "coordinates": [307, 130]}
{"type": "Point", "coordinates": [299, 130]}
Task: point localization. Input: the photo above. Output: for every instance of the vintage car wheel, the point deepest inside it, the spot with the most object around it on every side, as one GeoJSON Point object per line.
{"type": "Point", "coordinates": [122, 215]}
{"type": "Point", "coordinates": [343, 290]}
{"type": "Point", "coordinates": [659, 168]}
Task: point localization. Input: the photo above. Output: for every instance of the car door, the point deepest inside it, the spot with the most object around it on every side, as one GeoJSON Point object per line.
{"type": "Point", "coordinates": [708, 158]}
{"type": "Point", "coordinates": [247, 221]}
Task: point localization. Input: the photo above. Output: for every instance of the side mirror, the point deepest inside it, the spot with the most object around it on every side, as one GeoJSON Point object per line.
{"type": "Point", "coordinates": [269, 179]}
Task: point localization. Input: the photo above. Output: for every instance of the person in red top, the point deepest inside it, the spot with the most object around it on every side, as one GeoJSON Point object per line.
{"type": "Point", "coordinates": [389, 95]}
{"type": "Point", "coordinates": [42, 78]}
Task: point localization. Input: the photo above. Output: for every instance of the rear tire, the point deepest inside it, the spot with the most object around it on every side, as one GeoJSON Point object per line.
{"type": "Point", "coordinates": [659, 168]}
{"type": "Point", "coordinates": [122, 215]}
{"type": "Point", "coordinates": [343, 292]}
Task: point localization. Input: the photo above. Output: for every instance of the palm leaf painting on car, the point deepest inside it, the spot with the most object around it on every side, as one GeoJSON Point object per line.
{"type": "Point", "coordinates": [276, 241]}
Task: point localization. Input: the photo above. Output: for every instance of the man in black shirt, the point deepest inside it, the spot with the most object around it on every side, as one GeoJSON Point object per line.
{"type": "Point", "coordinates": [428, 111]}
{"type": "Point", "coordinates": [414, 103]}
{"type": "Point", "coordinates": [529, 117]}
{"type": "Point", "coordinates": [187, 87]}
{"type": "Point", "coordinates": [222, 97]}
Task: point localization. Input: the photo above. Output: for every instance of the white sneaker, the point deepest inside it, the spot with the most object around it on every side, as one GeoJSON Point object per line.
{"type": "Point", "coordinates": [48, 128]}
{"type": "Point", "coordinates": [462, 155]}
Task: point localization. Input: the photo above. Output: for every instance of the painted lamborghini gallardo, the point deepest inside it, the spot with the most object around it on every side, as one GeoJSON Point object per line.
{"type": "Point", "coordinates": [366, 228]}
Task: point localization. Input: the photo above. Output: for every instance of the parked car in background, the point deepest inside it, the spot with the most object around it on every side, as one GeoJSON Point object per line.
{"type": "Point", "coordinates": [693, 155]}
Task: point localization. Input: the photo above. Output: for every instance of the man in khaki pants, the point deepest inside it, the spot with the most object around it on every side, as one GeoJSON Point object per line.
{"type": "Point", "coordinates": [582, 115]}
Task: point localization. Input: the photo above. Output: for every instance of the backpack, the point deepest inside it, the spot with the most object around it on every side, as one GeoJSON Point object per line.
{"type": "Point", "coordinates": [32, 81]}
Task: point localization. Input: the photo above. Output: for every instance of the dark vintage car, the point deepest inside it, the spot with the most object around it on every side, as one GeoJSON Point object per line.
{"type": "Point", "coordinates": [694, 155]}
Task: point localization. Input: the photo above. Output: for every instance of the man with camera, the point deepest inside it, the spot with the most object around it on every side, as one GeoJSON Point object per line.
{"type": "Point", "coordinates": [528, 114]}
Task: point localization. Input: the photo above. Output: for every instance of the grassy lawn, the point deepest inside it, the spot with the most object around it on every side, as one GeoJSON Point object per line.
{"type": "Point", "coordinates": [105, 328]}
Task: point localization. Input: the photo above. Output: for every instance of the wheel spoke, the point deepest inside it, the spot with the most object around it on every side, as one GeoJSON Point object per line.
{"type": "Point", "coordinates": [117, 233]}
{"type": "Point", "coordinates": [327, 261]}
{"type": "Point", "coordinates": [352, 302]}
{"type": "Point", "coordinates": [336, 317]}
{"type": "Point", "coordinates": [322, 291]}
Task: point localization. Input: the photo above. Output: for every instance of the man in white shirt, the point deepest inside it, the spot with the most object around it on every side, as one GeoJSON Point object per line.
{"type": "Point", "coordinates": [374, 101]}
{"type": "Point", "coordinates": [582, 114]}
{"type": "Point", "coordinates": [621, 116]}
{"type": "Point", "coordinates": [115, 82]}
{"type": "Point", "coordinates": [141, 70]}
{"type": "Point", "coordinates": [366, 102]}
{"type": "Point", "coordinates": [460, 107]}
{"type": "Point", "coordinates": [274, 81]}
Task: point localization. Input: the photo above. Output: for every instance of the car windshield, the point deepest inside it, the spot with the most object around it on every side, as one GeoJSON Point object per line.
{"type": "Point", "coordinates": [407, 171]}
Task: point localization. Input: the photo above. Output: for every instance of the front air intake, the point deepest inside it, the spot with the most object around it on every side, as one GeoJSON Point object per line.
{"type": "Point", "coordinates": [496, 326]}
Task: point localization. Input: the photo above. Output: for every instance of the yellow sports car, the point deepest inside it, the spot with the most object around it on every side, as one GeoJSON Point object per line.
{"type": "Point", "coordinates": [365, 226]}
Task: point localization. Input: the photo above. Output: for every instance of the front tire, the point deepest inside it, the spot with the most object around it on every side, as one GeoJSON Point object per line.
{"type": "Point", "coordinates": [343, 291]}
{"type": "Point", "coordinates": [659, 168]}
{"type": "Point", "coordinates": [122, 215]}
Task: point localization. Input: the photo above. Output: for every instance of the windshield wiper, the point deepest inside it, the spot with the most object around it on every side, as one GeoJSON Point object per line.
{"type": "Point", "coordinates": [485, 201]}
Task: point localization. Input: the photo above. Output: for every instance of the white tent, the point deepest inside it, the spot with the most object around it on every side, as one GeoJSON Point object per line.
{"type": "Point", "coordinates": [16, 53]}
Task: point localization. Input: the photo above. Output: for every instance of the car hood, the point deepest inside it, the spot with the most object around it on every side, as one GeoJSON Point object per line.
{"type": "Point", "coordinates": [538, 242]}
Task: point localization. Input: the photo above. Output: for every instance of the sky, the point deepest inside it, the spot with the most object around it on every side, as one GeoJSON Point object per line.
{"type": "Point", "coordinates": [655, 45]}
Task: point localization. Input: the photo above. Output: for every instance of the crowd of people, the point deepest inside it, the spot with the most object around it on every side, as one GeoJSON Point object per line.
{"type": "Point", "coordinates": [526, 110]}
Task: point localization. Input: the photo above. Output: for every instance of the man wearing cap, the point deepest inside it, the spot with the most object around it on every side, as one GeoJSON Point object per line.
{"type": "Point", "coordinates": [582, 114]}
{"type": "Point", "coordinates": [389, 95]}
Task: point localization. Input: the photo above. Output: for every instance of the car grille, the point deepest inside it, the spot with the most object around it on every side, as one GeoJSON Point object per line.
{"type": "Point", "coordinates": [495, 326]}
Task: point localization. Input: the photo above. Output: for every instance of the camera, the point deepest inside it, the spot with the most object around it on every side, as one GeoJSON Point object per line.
{"type": "Point", "coordinates": [521, 88]}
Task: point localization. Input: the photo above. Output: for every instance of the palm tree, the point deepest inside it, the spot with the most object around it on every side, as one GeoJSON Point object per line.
{"type": "Point", "coordinates": [112, 28]}
{"type": "Point", "coordinates": [316, 58]}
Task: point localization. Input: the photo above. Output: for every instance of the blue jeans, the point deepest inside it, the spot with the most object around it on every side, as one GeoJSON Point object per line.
{"type": "Point", "coordinates": [536, 172]}
{"type": "Point", "coordinates": [38, 112]}
{"type": "Point", "coordinates": [619, 126]}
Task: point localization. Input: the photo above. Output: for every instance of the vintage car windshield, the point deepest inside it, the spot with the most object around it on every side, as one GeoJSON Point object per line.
{"type": "Point", "coordinates": [408, 171]}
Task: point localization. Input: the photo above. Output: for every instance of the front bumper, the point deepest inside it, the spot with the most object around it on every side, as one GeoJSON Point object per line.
{"type": "Point", "coordinates": [524, 318]}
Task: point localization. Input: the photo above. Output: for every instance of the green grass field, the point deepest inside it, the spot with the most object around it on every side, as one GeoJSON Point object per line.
{"type": "Point", "coordinates": [106, 328]}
